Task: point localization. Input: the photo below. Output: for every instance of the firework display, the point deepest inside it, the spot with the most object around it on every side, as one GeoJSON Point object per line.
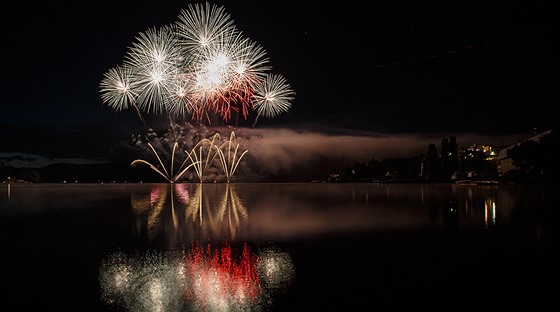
{"type": "Point", "coordinates": [200, 68]}
{"type": "Point", "coordinates": [202, 157]}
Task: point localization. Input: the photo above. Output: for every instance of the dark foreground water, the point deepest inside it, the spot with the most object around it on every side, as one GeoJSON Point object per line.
{"type": "Point", "coordinates": [277, 247]}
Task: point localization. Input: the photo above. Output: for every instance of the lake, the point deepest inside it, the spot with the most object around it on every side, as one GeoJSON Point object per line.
{"type": "Point", "coordinates": [277, 246]}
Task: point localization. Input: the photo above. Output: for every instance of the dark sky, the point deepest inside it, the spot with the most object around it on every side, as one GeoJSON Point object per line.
{"type": "Point", "coordinates": [366, 68]}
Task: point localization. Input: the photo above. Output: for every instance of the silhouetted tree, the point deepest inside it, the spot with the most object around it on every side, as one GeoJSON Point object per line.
{"type": "Point", "coordinates": [536, 161]}
{"type": "Point", "coordinates": [445, 166]}
{"type": "Point", "coordinates": [432, 163]}
{"type": "Point", "coordinates": [453, 154]}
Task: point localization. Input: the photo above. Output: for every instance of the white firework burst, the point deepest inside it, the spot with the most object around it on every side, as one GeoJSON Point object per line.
{"type": "Point", "coordinates": [118, 88]}
{"type": "Point", "coordinates": [202, 26]}
{"type": "Point", "coordinates": [180, 98]}
{"type": "Point", "coordinates": [273, 96]}
{"type": "Point", "coordinates": [155, 57]}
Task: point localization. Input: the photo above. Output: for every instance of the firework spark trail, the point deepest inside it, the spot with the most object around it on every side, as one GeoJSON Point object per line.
{"type": "Point", "coordinates": [231, 161]}
{"type": "Point", "coordinates": [170, 175]}
{"type": "Point", "coordinates": [201, 66]}
{"type": "Point", "coordinates": [205, 157]}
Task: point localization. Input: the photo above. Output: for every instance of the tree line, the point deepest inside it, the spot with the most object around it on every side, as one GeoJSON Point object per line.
{"type": "Point", "coordinates": [534, 161]}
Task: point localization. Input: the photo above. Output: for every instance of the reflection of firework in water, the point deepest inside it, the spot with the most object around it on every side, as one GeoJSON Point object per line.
{"type": "Point", "coordinates": [185, 211]}
{"type": "Point", "coordinates": [226, 213]}
{"type": "Point", "coordinates": [219, 280]}
{"type": "Point", "coordinates": [276, 269]}
{"type": "Point", "coordinates": [210, 278]}
{"type": "Point", "coordinates": [201, 66]}
{"type": "Point", "coordinates": [150, 283]}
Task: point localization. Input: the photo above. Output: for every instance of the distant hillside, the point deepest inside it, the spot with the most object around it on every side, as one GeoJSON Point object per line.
{"type": "Point", "coordinates": [87, 173]}
{"type": "Point", "coordinates": [108, 172]}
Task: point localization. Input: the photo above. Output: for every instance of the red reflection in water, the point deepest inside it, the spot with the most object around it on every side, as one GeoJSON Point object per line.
{"type": "Point", "coordinates": [155, 195]}
{"type": "Point", "coordinates": [219, 275]}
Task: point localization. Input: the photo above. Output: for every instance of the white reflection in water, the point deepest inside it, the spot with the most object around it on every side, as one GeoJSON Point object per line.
{"type": "Point", "coordinates": [202, 278]}
{"type": "Point", "coordinates": [489, 212]}
{"type": "Point", "coordinates": [150, 282]}
{"type": "Point", "coordinates": [277, 269]}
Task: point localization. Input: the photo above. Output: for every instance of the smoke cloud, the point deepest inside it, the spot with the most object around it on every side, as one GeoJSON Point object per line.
{"type": "Point", "coordinates": [308, 155]}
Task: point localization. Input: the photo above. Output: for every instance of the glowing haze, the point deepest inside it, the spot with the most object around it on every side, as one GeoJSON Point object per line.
{"type": "Point", "coordinates": [303, 155]}
{"type": "Point", "coordinates": [314, 154]}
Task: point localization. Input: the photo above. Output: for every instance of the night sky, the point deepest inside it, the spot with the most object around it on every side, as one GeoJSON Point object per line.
{"type": "Point", "coordinates": [372, 70]}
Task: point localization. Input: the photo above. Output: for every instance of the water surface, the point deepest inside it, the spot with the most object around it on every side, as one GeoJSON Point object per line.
{"type": "Point", "coordinates": [276, 247]}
